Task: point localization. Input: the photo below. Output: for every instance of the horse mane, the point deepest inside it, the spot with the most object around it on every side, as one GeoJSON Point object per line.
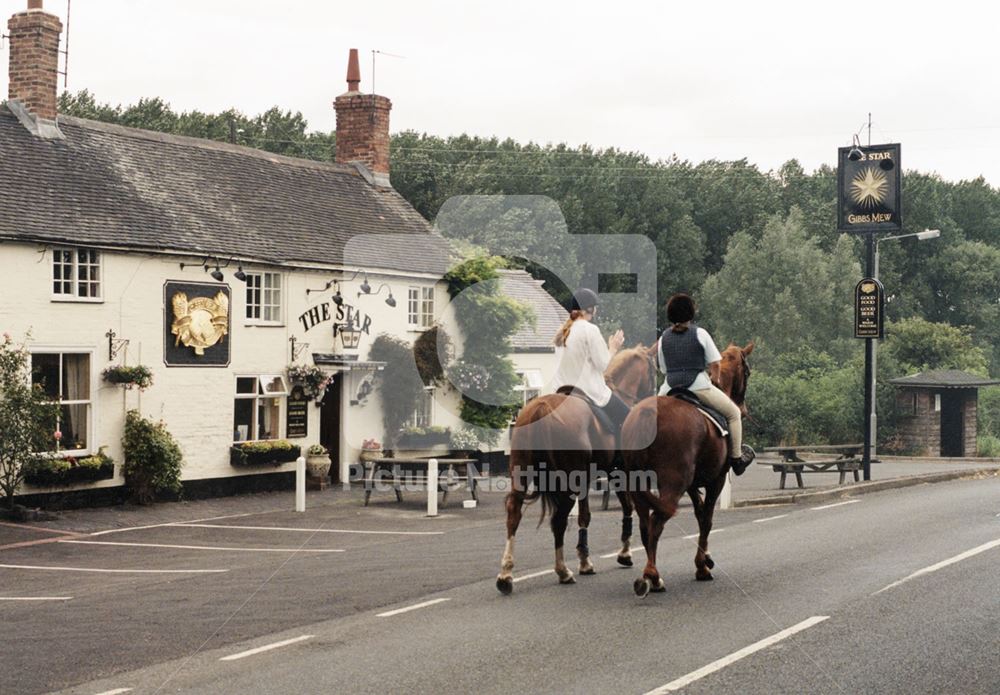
{"type": "Point", "coordinates": [621, 360]}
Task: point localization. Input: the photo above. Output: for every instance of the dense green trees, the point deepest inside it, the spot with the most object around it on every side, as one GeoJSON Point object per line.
{"type": "Point", "coordinates": [759, 249]}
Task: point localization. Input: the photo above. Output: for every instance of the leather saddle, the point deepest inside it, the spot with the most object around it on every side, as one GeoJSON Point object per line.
{"type": "Point", "coordinates": [602, 417]}
{"type": "Point", "coordinates": [713, 415]}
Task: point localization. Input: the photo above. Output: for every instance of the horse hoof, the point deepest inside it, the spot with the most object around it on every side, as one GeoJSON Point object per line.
{"type": "Point", "coordinates": [641, 587]}
{"type": "Point", "coordinates": [707, 577]}
{"type": "Point", "coordinates": [625, 560]}
{"type": "Point", "coordinates": [659, 587]}
{"type": "Point", "coordinates": [505, 585]}
{"type": "Point", "coordinates": [709, 562]}
{"type": "Point", "coordinates": [586, 571]}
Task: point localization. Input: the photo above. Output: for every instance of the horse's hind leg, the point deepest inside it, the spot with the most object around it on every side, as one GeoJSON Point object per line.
{"type": "Point", "coordinates": [505, 580]}
{"type": "Point", "coordinates": [662, 509]}
{"type": "Point", "coordinates": [704, 510]}
{"type": "Point", "coordinates": [625, 554]}
{"type": "Point", "coordinates": [582, 546]}
{"type": "Point", "coordinates": [560, 519]}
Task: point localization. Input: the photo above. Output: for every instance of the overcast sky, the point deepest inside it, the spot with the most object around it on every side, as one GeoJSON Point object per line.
{"type": "Point", "coordinates": [764, 80]}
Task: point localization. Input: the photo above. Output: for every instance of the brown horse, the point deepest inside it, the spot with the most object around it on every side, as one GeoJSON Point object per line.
{"type": "Point", "coordinates": [687, 453]}
{"type": "Point", "coordinates": [556, 437]}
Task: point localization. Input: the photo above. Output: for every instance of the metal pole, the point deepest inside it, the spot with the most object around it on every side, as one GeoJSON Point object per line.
{"type": "Point", "coordinates": [866, 459]}
{"type": "Point", "coordinates": [874, 410]}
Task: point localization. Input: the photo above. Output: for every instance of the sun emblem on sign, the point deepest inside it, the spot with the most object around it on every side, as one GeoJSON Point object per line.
{"type": "Point", "coordinates": [869, 187]}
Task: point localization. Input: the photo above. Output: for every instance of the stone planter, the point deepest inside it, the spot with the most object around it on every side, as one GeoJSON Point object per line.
{"type": "Point", "coordinates": [367, 455]}
{"type": "Point", "coordinates": [318, 466]}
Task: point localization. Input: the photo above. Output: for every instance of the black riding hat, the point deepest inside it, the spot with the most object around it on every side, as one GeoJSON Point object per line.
{"type": "Point", "coordinates": [583, 299]}
{"type": "Point", "coordinates": [680, 308]}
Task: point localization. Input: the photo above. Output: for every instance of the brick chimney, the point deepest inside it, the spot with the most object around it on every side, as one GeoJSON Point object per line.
{"type": "Point", "coordinates": [362, 125]}
{"type": "Point", "coordinates": [34, 59]}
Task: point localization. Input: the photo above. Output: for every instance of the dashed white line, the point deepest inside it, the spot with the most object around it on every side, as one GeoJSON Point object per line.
{"type": "Point", "coordinates": [266, 648]}
{"type": "Point", "coordinates": [209, 547]}
{"type": "Point", "coordinates": [635, 551]}
{"type": "Point", "coordinates": [50, 568]}
{"type": "Point", "coordinates": [169, 523]}
{"type": "Point", "coordinates": [415, 606]}
{"type": "Point", "coordinates": [695, 535]}
{"type": "Point", "coordinates": [541, 573]}
{"type": "Point", "coordinates": [770, 518]}
{"type": "Point", "coordinates": [311, 530]}
{"type": "Point", "coordinates": [835, 504]}
{"type": "Point", "coordinates": [736, 656]}
{"type": "Point", "coordinates": [116, 691]}
{"type": "Point", "coordinates": [944, 563]}
{"type": "Point", "coordinates": [36, 598]}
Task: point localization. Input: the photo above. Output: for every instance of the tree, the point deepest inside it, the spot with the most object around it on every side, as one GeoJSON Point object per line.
{"type": "Point", "coordinates": [27, 418]}
{"type": "Point", "coordinates": [918, 345]}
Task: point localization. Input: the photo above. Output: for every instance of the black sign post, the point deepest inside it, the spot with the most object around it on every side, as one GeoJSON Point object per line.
{"type": "Point", "coordinates": [869, 200]}
{"type": "Point", "coordinates": [869, 309]}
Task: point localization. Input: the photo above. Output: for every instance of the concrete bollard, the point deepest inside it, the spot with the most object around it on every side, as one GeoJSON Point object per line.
{"type": "Point", "coordinates": [432, 487]}
{"type": "Point", "coordinates": [726, 498]}
{"type": "Point", "coordinates": [300, 484]}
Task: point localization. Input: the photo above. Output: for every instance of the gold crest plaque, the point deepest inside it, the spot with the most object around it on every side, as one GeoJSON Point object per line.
{"type": "Point", "coordinates": [201, 322]}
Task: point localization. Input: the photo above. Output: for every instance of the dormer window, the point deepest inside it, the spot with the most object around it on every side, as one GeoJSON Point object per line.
{"type": "Point", "coordinates": [76, 274]}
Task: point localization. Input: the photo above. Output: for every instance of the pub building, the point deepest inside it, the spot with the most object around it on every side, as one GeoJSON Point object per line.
{"type": "Point", "coordinates": [214, 265]}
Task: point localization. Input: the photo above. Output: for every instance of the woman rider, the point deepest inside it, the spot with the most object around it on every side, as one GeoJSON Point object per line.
{"type": "Point", "coordinates": [586, 356]}
{"type": "Point", "coordinates": [685, 350]}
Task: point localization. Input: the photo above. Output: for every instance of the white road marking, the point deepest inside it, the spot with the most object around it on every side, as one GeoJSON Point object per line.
{"type": "Point", "coordinates": [736, 656]}
{"type": "Point", "coordinates": [415, 606]}
{"type": "Point", "coordinates": [836, 504]}
{"type": "Point", "coordinates": [695, 535]}
{"type": "Point", "coordinates": [311, 530]}
{"type": "Point", "coordinates": [209, 547]}
{"type": "Point", "coordinates": [117, 691]}
{"type": "Point", "coordinates": [50, 568]}
{"type": "Point", "coordinates": [36, 598]}
{"type": "Point", "coordinates": [635, 551]}
{"type": "Point", "coordinates": [770, 518]}
{"type": "Point", "coordinates": [944, 563]}
{"type": "Point", "coordinates": [542, 573]}
{"type": "Point", "coordinates": [266, 648]}
{"type": "Point", "coordinates": [169, 523]}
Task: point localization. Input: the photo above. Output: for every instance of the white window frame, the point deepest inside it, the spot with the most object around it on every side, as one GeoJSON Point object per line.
{"type": "Point", "coordinates": [74, 280]}
{"type": "Point", "coordinates": [530, 386]}
{"type": "Point", "coordinates": [260, 307]}
{"type": "Point", "coordinates": [425, 407]}
{"type": "Point", "coordinates": [261, 394]}
{"type": "Point", "coordinates": [420, 307]}
{"type": "Point", "coordinates": [91, 410]}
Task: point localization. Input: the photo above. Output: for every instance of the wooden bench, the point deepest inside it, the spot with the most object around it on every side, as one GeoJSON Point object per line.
{"type": "Point", "coordinates": [451, 474]}
{"type": "Point", "coordinates": [844, 460]}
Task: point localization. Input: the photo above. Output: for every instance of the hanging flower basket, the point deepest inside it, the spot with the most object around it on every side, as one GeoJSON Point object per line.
{"type": "Point", "coordinates": [139, 376]}
{"type": "Point", "coordinates": [313, 380]}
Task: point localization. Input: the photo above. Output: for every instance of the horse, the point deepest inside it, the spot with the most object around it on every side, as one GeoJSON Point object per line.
{"type": "Point", "coordinates": [687, 453]}
{"type": "Point", "coordinates": [559, 433]}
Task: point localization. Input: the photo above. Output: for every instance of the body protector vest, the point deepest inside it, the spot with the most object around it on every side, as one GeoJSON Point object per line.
{"type": "Point", "coordinates": [683, 356]}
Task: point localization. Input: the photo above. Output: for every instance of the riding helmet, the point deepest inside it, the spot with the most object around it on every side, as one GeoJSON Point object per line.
{"type": "Point", "coordinates": [680, 308]}
{"type": "Point", "coordinates": [583, 299]}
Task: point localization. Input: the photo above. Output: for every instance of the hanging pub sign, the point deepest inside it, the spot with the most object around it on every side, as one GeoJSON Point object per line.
{"type": "Point", "coordinates": [868, 189]}
{"type": "Point", "coordinates": [869, 309]}
{"type": "Point", "coordinates": [196, 324]}
{"type": "Point", "coordinates": [297, 414]}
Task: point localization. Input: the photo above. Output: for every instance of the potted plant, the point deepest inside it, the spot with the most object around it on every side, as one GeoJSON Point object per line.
{"type": "Point", "coordinates": [139, 376]}
{"type": "Point", "coordinates": [371, 449]}
{"type": "Point", "coordinates": [272, 452]}
{"type": "Point", "coordinates": [313, 380]}
{"type": "Point", "coordinates": [318, 461]}
{"type": "Point", "coordinates": [464, 443]}
{"type": "Point", "coordinates": [55, 471]}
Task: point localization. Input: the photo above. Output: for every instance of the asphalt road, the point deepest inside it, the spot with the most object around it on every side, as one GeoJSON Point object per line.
{"type": "Point", "coordinates": [805, 601]}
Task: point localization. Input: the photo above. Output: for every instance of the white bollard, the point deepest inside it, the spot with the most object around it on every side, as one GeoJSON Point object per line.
{"type": "Point", "coordinates": [432, 487]}
{"type": "Point", "coordinates": [300, 484]}
{"type": "Point", "coordinates": [726, 498]}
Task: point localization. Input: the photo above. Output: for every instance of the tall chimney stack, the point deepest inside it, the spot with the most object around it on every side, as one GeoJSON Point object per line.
{"type": "Point", "coordinates": [34, 59]}
{"type": "Point", "coordinates": [362, 125]}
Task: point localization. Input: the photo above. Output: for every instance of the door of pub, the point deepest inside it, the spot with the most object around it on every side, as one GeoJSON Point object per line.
{"type": "Point", "coordinates": [329, 424]}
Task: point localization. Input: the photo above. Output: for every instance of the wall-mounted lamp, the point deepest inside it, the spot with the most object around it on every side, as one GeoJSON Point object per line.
{"type": "Point", "coordinates": [856, 154]}
{"type": "Point", "coordinates": [217, 273]}
{"type": "Point", "coordinates": [390, 300]}
{"type": "Point", "coordinates": [297, 348]}
{"type": "Point", "coordinates": [338, 298]}
{"type": "Point", "coordinates": [239, 274]}
{"type": "Point", "coordinates": [349, 335]}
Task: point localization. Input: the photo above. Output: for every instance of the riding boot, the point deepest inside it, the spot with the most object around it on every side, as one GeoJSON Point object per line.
{"type": "Point", "coordinates": [739, 463]}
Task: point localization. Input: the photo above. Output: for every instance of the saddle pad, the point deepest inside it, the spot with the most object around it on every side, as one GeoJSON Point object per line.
{"type": "Point", "coordinates": [711, 414]}
{"type": "Point", "coordinates": [602, 417]}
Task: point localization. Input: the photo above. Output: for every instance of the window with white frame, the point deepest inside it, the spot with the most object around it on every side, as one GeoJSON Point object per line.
{"type": "Point", "coordinates": [423, 414]}
{"type": "Point", "coordinates": [420, 307]}
{"type": "Point", "coordinates": [258, 407]}
{"type": "Point", "coordinates": [65, 378]}
{"type": "Point", "coordinates": [531, 384]}
{"type": "Point", "coordinates": [264, 297]}
{"type": "Point", "coordinates": [76, 274]}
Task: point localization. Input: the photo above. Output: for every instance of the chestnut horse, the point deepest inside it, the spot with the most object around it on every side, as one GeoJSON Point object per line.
{"type": "Point", "coordinates": [559, 434]}
{"type": "Point", "coordinates": [687, 453]}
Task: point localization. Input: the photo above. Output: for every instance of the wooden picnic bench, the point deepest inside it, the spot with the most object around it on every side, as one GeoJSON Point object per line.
{"type": "Point", "coordinates": [451, 474]}
{"type": "Point", "coordinates": [842, 458]}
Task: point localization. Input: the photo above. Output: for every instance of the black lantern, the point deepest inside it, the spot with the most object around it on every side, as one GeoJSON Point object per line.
{"type": "Point", "coordinates": [349, 335]}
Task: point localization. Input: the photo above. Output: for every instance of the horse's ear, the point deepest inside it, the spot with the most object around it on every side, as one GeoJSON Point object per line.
{"type": "Point", "coordinates": [748, 349]}
{"type": "Point", "coordinates": [651, 350]}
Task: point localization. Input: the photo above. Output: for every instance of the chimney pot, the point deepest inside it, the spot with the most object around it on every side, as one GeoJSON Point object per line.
{"type": "Point", "coordinates": [353, 71]}
{"type": "Point", "coordinates": [34, 4]}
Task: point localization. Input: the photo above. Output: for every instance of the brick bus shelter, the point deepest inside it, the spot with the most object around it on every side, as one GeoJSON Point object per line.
{"type": "Point", "coordinates": [937, 411]}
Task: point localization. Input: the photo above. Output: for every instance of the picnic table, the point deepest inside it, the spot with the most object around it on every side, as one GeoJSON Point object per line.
{"type": "Point", "coordinates": [452, 472]}
{"type": "Point", "coordinates": [840, 458]}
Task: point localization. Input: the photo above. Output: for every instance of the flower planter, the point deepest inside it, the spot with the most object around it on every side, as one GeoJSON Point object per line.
{"type": "Point", "coordinates": [263, 453]}
{"type": "Point", "coordinates": [370, 454]}
{"type": "Point", "coordinates": [66, 473]}
{"type": "Point", "coordinates": [318, 466]}
{"type": "Point", "coordinates": [422, 441]}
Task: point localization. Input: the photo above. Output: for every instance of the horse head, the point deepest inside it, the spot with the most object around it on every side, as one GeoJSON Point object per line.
{"type": "Point", "coordinates": [734, 373]}
{"type": "Point", "coordinates": [632, 373]}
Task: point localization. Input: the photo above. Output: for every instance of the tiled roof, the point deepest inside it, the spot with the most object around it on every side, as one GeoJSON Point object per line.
{"type": "Point", "coordinates": [549, 314]}
{"type": "Point", "coordinates": [106, 185]}
{"type": "Point", "coordinates": [944, 378]}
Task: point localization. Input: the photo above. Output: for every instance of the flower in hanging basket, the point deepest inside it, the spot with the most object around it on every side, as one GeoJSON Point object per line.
{"type": "Point", "coordinates": [313, 380]}
{"type": "Point", "coordinates": [139, 376]}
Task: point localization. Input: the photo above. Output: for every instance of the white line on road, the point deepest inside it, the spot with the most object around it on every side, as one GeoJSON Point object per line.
{"type": "Point", "coordinates": [36, 598]}
{"type": "Point", "coordinates": [106, 571]}
{"type": "Point", "coordinates": [169, 523]}
{"type": "Point", "coordinates": [836, 504]}
{"type": "Point", "coordinates": [312, 530]}
{"type": "Point", "coordinates": [944, 563]}
{"type": "Point", "coordinates": [635, 551]}
{"type": "Point", "coordinates": [209, 547]}
{"type": "Point", "coordinates": [541, 573]}
{"type": "Point", "coordinates": [695, 535]}
{"type": "Point", "coordinates": [116, 691]}
{"type": "Point", "coordinates": [266, 648]}
{"type": "Point", "coordinates": [736, 656]}
{"type": "Point", "coordinates": [389, 614]}
{"type": "Point", "coordinates": [770, 518]}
